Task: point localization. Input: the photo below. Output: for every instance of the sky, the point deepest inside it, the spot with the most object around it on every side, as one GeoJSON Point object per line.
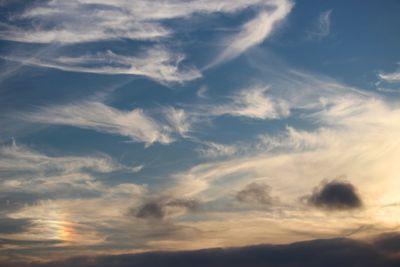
{"type": "Point", "coordinates": [134, 132]}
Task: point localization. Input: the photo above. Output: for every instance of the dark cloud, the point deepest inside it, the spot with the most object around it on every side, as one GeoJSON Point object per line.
{"type": "Point", "coordinates": [388, 242]}
{"type": "Point", "coordinates": [160, 208]}
{"type": "Point", "coordinates": [12, 201]}
{"type": "Point", "coordinates": [152, 209]}
{"type": "Point", "coordinates": [257, 193]}
{"type": "Point", "coordinates": [335, 195]}
{"type": "Point", "coordinates": [316, 253]}
{"type": "Point", "coordinates": [12, 226]}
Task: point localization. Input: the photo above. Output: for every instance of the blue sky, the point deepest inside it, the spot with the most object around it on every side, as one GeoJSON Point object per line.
{"type": "Point", "coordinates": [130, 126]}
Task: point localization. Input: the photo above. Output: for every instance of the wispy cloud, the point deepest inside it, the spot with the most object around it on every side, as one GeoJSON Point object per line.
{"type": "Point", "coordinates": [322, 27]}
{"type": "Point", "coordinates": [179, 120]}
{"type": "Point", "coordinates": [254, 31]}
{"type": "Point", "coordinates": [254, 103]}
{"type": "Point", "coordinates": [88, 21]}
{"type": "Point", "coordinates": [388, 82]}
{"type": "Point", "coordinates": [134, 124]}
{"type": "Point", "coordinates": [157, 64]}
{"type": "Point", "coordinates": [27, 170]}
{"type": "Point", "coordinates": [83, 21]}
{"type": "Point", "coordinates": [215, 150]}
{"type": "Point", "coordinates": [390, 77]}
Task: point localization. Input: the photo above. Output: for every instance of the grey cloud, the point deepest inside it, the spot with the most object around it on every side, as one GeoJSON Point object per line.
{"type": "Point", "coordinates": [257, 193]}
{"type": "Point", "coordinates": [335, 195]}
{"type": "Point", "coordinates": [388, 242]}
{"type": "Point", "coordinates": [11, 226]}
{"type": "Point", "coordinates": [153, 210]}
{"type": "Point", "coordinates": [158, 209]}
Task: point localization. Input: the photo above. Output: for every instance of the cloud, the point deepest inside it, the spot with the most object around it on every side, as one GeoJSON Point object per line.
{"type": "Point", "coordinates": [313, 253]}
{"type": "Point", "coordinates": [254, 31]}
{"type": "Point", "coordinates": [255, 193]}
{"type": "Point", "coordinates": [393, 77]}
{"type": "Point", "coordinates": [388, 242]}
{"type": "Point", "coordinates": [25, 172]}
{"type": "Point", "coordinates": [323, 26]}
{"type": "Point", "coordinates": [160, 208]}
{"type": "Point", "coordinates": [202, 92]}
{"type": "Point", "coordinates": [88, 21]}
{"type": "Point", "coordinates": [335, 195]}
{"type": "Point", "coordinates": [17, 157]}
{"type": "Point", "coordinates": [155, 63]}
{"type": "Point", "coordinates": [215, 150]}
{"type": "Point", "coordinates": [11, 226]}
{"type": "Point", "coordinates": [80, 22]}
{"type": "Point", "coordinates": [179, 120]}
{"type": "Point", "coordinates": [388, 82]}
{"type": "Point", "coordinates": [134, 124]}
{"type": "Point", "coordinates": [253, 103]}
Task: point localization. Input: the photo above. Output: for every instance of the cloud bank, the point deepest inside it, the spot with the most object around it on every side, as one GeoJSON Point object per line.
{"type": "Point", "coordinates": [314, 253]}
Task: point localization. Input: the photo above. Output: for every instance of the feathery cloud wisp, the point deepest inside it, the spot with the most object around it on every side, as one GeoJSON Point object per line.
{"type": "Point", "coordinates": [254, 31]}
{"type": "Point", "coordinates": [135, 124]}
{"type": "Point", "coordinates": [253, 103]}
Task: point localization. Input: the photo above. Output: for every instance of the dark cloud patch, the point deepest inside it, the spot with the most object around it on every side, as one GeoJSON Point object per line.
{"type": "Point", "coordinates": [158, 209]}
{"type": "Point", "coordinates": [316, 253]}
{"type": "Point", "coordinates": [335, 195]}
{"type": "Point", "coordinates": [389, 242]}
{"type": "Point", "coordinates": [12, 201]}
{"type": "Point", "coordinates": [25, 243]}
{"type": "Point", "coordinates": [12, 226]}
{"type": "Point", "coordinates": [152, 209]}
{"type": "Point", "coordinates": [256, 193]}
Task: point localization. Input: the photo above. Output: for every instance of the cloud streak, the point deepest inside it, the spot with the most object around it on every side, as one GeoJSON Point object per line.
{"type": "Point", "coordinates": [254, 103]}
{"type": "Point", "coordinates": [254, 31]}
{"type": "Point", "coordinates": [157, 64]}
{"type": "Point", "coordinates": [134, 124]}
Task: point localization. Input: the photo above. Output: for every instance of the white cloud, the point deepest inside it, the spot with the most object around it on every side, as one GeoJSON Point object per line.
{"type": "Point", "coordinates": [94, 20]}
{"type": "Point", "coordinates": [157, 64]}
{"type": "Point", "coordinates": [215, 150]}
{"type": "Point", "coordinates": [27, 170]}
{"type": "Point", "coordinates": [178, 119]}
{"type": "Point", "coordinates": [253, 103]}
{"type": "Point", "coordinates": [388, 82]}
{"type": "Point", "coordinates": [80, 21]}
{"type": "Point", "coordinates": [20, 158]}
{"type": "Point", "coordinates": [254, 31]}
{"type": "Point", "coordinates": [135, 124]}
{"type": "Point", "coordinates": [391, 77]}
